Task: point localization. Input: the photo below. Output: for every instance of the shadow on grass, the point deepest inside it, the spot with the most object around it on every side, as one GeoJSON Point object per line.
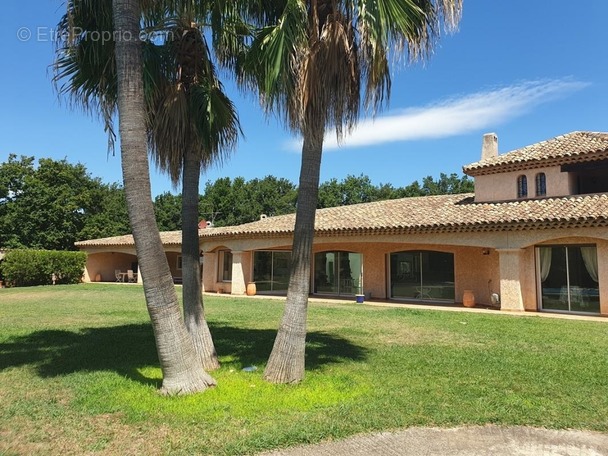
{"type": "Point", "coordinates": [126, 348]}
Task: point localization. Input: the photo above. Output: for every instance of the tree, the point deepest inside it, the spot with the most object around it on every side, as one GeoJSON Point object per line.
{"type": "Point", "coordinates": [311, 65]}
{"type": "Point", "coordinates": [228, 202]}
{"type": "Point", "coordinates": [107, 215]}
{"type": "Point", "coordinates": [190, 121]}
{"type": "Point", "coordinates": [192, 124]}
{"type": "Point", "coordinates": [446, 185]}
{"type": "Point", "coordinates": [351, 190]}
{"type": "Point", "coordinates": [168, 210]}
{"type": "Point", "coordinates": [53, 204]}
{"type": "Point", "coordinates": [85, 69]}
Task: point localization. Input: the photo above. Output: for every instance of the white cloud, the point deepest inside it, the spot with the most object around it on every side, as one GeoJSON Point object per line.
{"type": "Point", "coordinates": [455, 116]}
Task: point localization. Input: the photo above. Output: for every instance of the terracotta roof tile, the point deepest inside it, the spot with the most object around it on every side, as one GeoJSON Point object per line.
{"type": "Point", "coordinates": [579, 146]}
{"type": "Point", "coordinates": [428, 214]}
{"type": "Point", "coordinates": [167, 238]}
{"type": "Point", "coordinates": [447, 213]}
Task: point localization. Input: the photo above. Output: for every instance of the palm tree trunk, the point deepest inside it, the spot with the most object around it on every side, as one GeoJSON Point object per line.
{"type": "Point", "coordinates": [181, 372]}
{"type": "Point", "coordinates": [194, 315]}
{"type": "Point", "coordinates": [286, 362]}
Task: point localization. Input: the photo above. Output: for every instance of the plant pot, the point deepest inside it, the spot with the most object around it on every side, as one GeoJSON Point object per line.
{"type": "Point", "coordinates": [468, 298]}
{"type": "Point", "coordinates": [251, 289]}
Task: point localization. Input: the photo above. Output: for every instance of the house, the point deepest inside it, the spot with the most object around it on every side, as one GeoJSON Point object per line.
{"type": "Point", "coordinates": [533, 236]}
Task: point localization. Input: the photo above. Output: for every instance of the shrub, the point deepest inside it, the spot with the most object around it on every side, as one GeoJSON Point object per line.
{"type": "Point", "coordinates": [22, 268]}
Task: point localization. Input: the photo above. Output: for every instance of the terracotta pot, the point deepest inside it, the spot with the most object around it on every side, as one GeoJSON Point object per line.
{"type": "Point", "coordinates": [251, 289]}
{"type": "Point", "coordinates": [468, 298]}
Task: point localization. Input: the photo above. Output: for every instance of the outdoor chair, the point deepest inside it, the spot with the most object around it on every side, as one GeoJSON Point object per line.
{"type": "Point", "coordinates": [118, 274]}
{"type": "Point", "coordinates": [130, 276]}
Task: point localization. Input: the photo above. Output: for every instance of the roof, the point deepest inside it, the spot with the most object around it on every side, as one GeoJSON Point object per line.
{"type": "Point", "coordinates": [167, 238]}
{"type": "Point", "coordinates": [575, 147]}
{"type": "Point", "coordinates": [426, 214]}
{"type": "Point", "coordinates": [435, 214]}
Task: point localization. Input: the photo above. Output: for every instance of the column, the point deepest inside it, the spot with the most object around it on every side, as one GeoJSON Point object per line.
{"type": "Point", "coordinates": [239, 287]}
{"type": "Point", "coordinates": [209, 271]}
{"type": "Point", "coordinates": [510, 261]}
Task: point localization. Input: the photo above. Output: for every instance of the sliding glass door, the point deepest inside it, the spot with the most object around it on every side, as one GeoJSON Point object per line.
{"type": "Point", "coordinates": [271, 271]}
{"type": "Point", "coordinates": [339, 273]}
{"type": "Point", "coordinates": [568, 278]}
{"type": "Point", "coordinates": [422, 275]}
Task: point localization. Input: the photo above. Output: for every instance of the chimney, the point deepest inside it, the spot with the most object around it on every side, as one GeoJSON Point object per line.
{"type": "Point", "coordinates": [489, 147]}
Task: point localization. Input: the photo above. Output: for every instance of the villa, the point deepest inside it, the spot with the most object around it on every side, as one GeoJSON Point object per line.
{"type": "Point", "coordinates": [533, 236]}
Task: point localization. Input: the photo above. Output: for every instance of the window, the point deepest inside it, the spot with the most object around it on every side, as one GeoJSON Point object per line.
{"type": "Point", "coordinates": [541, 184]}
{"type": "Point", "coordinates": [225, 266]}
{"type": "Point", "coordinates": [522, 187]}
{"type": "Point", "coordinates": [179, 263]}
{"type": "Point", "coordinates": [422, 275]}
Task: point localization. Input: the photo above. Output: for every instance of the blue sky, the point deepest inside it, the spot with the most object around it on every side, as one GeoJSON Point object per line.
{"type": "Point", "coordinates": [527, 70]}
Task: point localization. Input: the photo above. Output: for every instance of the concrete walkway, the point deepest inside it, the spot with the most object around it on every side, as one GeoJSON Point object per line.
{"type": "Point", "coordinates": [419, 306]}
{"type": "Point", "coordinates": [464, 441]}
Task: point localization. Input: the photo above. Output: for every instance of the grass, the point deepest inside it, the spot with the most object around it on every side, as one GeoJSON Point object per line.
{"type": "Point", "coordinates": [79, 374]}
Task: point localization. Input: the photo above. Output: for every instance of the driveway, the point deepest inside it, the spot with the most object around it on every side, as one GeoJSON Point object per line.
{"type": "Point", "coordinates": [463, 441]}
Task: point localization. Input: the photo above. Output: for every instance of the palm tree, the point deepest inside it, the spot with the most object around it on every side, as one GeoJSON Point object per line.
{"type": "Point", "coordinates": [317, 63]}
{"type": "Point", "coordinates": [191, 124]}
{"type": "Point", "coordinates": [110, 77]}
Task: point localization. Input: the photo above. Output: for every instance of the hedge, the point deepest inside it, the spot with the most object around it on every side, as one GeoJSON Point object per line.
{"type": "Point", "coordinates": [23, 268]}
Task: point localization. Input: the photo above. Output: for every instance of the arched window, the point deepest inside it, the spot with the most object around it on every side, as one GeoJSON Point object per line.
{"type": "Point", "coordinates": [522, 186]}
{"type": "Point", "coordinates": [541, 184]}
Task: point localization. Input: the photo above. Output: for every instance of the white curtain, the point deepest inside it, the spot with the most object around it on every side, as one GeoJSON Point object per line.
{"type": "Point", "coordinates": [545, 262]}
{"type": "Point", "coordinates": [589, 255]}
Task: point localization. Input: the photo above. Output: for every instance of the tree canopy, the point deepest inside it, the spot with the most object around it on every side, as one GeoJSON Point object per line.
{"type": "Point", "coordinates": [53, 204]}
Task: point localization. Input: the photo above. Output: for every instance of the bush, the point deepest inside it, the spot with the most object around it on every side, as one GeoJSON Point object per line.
{"type": "Point", "coordinates": [22, 268]}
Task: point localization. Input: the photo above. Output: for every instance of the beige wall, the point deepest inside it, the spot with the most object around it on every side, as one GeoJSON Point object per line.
{"type": "Point", "coordinates": [104, 260]}
{"type": "Point", "coordinates": [105, 263]}
{"type": "Point", "coordinates": [503, 186]}
{"type": "Point", "coordinates": [477, 261]}
{"type": "Point", "coordinates": [172, 260]}
{"type": "Point", "coordinates": [473, 269]}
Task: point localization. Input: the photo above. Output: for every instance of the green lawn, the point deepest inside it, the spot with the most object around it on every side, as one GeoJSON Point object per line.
{"type": "Point", "coordinates": [79, 374]}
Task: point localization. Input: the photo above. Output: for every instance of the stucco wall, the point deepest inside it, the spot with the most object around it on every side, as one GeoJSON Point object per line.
{"type": "Point", "coordinates": [172, 259]}
{"type": "Point", "coordinates": [472, 268]}
{"type": "Point", "coordinates": [105, 263]}
{"type": "Point", "coordinates": [503, 186]}
{"type": "Point", "coordinates": [476, 259]}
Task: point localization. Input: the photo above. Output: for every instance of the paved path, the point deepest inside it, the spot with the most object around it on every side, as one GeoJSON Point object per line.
{"type": "Point", "coordinates": [463, 441]}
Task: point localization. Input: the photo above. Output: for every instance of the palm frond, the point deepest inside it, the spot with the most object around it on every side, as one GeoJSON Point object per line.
{"type": "Point", "coordinates": [329, 86]}
{"type": "Point", "coordinates": [84, 68]}
{"type": "Point", "coordinates": [388, 25]}
{"type": "Point", "coordinates": [181, 87]}
{"type": "Point", "coordinates": [273, 57]}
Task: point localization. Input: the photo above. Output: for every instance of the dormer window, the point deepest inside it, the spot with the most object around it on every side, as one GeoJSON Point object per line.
{"type": "Point", "coordinates": [522, 187]}
{"type": "Point", "coordinates": [541, 184]}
